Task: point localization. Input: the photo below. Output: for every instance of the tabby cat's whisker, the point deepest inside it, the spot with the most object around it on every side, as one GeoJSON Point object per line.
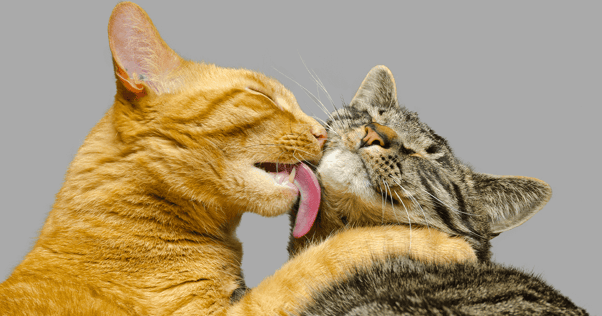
{"type": "Point", "coordinates": [415, 201]}
{"type": "Point", "coordinates": [383, 203]}
{"type": "Point", "coordinates": [386, 193]}
{"type": "Point", "coordinates": [395, 212]}
{"type": "Point", "coordinates": [409, 220]}
{"type": "Point", "coordinates": [392, 203]}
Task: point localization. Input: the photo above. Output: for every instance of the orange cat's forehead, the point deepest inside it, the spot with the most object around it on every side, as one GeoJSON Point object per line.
{"type": "Point", "coordinates": [204, 77]}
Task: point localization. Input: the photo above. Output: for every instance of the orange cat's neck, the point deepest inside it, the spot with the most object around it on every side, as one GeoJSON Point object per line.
{"type": "Point", "coordinates": [111, 218]}
{"type": "Point", "coordinates": [108, 191]}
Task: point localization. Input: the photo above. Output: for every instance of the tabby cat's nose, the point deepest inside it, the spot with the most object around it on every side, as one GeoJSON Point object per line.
{"type": "Point", "coordinates": [320, 133]}
{"type": "Point", "coordinates": [377, 134]}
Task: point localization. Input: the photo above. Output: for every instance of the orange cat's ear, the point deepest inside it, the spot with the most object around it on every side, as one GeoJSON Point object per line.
{"type": "Point", "coordinates": [141, 58]}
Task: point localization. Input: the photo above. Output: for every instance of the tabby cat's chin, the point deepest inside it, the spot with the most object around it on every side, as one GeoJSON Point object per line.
{"type": "Point", "coordinates": [344, 169]}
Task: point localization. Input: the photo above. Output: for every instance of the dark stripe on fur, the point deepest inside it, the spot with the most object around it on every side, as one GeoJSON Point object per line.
{"type": "Point", "coordinates": [440, 209]}
{"type": "Point", "coordinates": [401, 286]}
{"type": "Point", "coordinates": [462, 208]}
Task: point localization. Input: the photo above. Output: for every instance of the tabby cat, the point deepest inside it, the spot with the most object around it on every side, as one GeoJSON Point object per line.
{"type": "Point", "coordinates": [145, 221]}
{"type": "Point", "coordinates": [383, 166]}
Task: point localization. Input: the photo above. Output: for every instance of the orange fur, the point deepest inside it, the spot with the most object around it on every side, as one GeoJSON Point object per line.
{"type": "Point", "coordinates": [145, 221]}
{"type": "Point", "coordinates": [340, 255]}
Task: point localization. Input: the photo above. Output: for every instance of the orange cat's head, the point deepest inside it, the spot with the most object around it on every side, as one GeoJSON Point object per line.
{"type": "Point", "coordinates": [225, 138]}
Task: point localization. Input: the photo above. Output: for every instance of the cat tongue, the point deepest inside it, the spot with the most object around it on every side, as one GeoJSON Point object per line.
{"type": "Point", "coordinates": [309, 190]}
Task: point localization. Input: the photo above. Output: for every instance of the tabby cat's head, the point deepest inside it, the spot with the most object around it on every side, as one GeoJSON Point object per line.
{"type": "Point", "coordinates": [382, 165]}
{"type": "Point", "coordinates": [205, 133]}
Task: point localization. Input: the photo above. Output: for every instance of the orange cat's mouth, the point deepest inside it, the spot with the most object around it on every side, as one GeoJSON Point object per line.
{"type": "Point", "coordinates": [302, 177]}
{"type": "Point", "coordinates": [281, 172]}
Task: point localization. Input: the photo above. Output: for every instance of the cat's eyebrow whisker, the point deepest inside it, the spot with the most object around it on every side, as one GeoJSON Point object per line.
{"type": "Point", "coordinates": [318, 81]}
{"type": "Point", "coordinates": [321, 85]}
{"type": "Point", "coordinates": [307, 92]}
{"type": "Point", "coordinates": [330, 127]}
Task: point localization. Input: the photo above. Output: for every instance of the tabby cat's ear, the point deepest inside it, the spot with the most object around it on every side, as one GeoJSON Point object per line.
{"type": "Point", "coordinates": [142, 60]}
{"type": "Point", "coordinates": [510, 200]}
{"type": "Point", "coordinates": [378, 88]}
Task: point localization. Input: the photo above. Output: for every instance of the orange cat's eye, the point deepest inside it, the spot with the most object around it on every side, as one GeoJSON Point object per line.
{"type": "Point", "coordinates": [257, 91]}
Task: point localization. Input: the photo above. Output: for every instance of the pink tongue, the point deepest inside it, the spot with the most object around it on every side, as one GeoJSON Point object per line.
{"type": "Point", "coordinates": [309, 189]}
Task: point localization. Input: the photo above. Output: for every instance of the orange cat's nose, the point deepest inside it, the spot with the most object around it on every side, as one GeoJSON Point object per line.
{"type": "Point", "coordinates": [320, 133]}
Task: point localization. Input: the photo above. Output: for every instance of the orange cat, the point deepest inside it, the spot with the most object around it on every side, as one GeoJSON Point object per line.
{"type": "Point", "coordinates": [145, 221]}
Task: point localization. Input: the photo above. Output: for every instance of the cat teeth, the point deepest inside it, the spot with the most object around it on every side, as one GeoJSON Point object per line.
{"type": "Point", "coordinates": [291, 177]}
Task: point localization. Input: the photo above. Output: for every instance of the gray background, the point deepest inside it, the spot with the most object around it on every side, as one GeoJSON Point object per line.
{"type": "Point", "coordinates": [514, 86]}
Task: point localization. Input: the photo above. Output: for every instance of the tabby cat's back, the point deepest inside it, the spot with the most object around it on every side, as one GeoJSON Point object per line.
{"type": "Point", "coordinates": [403, 286]}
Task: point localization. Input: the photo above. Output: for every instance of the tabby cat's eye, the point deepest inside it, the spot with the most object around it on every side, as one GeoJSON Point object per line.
{"type": "Point", "coordinates": [432, 149]}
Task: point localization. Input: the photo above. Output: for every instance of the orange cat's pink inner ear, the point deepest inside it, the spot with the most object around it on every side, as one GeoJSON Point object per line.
{"type": "Point", "coordinates": [138, 50]}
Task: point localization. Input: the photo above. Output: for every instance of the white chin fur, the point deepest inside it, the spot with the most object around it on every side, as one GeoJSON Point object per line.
{"type": "Point", "coordinates": [344, 169]}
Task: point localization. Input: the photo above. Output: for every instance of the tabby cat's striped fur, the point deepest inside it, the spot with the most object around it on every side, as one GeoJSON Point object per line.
{"type": "Point", "coordinates": [381, 166]}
